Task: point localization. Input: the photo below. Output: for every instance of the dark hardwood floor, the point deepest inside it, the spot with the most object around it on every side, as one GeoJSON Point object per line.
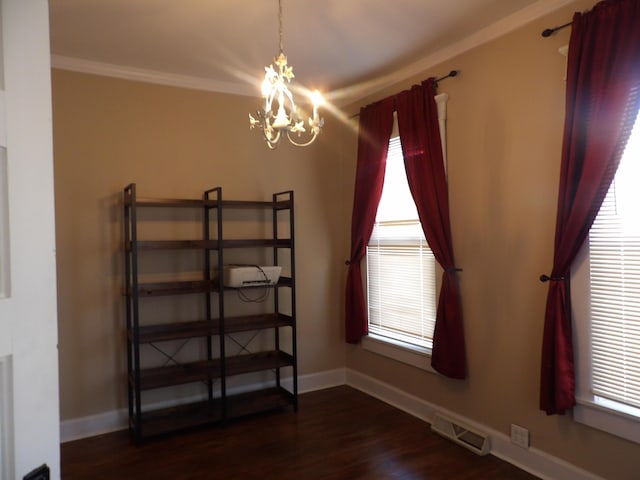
{"type": "Point", "coordinates": [338, 433]}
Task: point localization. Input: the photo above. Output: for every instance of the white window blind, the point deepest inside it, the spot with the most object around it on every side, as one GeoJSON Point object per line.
{"type": "Point", "coordinates": [401, 278]}
{"type": "Point", "coordinates": [614, 264]}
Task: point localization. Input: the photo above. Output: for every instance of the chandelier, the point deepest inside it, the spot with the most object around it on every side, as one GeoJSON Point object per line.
{"type": "Point", "coordinates": [283, 118]}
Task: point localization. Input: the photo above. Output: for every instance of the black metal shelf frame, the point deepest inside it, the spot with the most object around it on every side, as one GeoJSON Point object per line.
{"type": "Point", "coordinates": [214, 328]}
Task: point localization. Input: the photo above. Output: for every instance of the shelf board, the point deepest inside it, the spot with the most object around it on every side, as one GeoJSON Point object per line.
{"type": "Point", "coordinates": [256, 322]}
{"type": "Point", "coordinates": [258, 242]}
{"type": "Point", "coordinates": [208, 244]}
{"type": "Point", "coordinates": [155, 289]}
{"type": "Point", "coordinates": [181, 417]}
{"type": "Point", "coordinates": [191, 203]}
{"type": "Point", "coordinates": [248, 204]}
{"type": "Point", "coordinates": [258, 401]}
{"type": "Point", "coordinates": [174, 331]}
{"type": "Point", "coordinates": [199, 414]}
{"type": "Point", "coordinates": [285, 282]}
{"type": "Point", "coordinates": [168, 202]}
{"type": "Point", "coordinates": [158, 377]}
{"type": "Point", "coordinates": [256, 362]}
{"type": "Point", "coordinates": [174, 245]}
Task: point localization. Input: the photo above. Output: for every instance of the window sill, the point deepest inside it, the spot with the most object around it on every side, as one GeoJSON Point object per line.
{"type": "Point", "coordinates": [602, 414]}
{"type": "Point", "coordinates": [402, 352]}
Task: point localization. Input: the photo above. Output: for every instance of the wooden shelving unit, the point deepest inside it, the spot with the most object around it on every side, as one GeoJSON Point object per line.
{"type": "Point", "coordinates": [212, 370]}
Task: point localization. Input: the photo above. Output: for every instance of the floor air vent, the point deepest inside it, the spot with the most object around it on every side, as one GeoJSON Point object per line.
{"type": "Point", "coordinates": [477, 442]}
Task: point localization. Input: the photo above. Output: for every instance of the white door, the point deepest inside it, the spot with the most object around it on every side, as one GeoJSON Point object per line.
{"type": "Point", "coordinates": [29, 417]}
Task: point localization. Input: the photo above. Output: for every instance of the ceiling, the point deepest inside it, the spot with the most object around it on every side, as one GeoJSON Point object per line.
{"type": "Point", "coordinates": [223, 45]}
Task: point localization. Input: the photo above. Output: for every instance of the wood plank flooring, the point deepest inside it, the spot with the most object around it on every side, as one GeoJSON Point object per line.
{"type": "Point", "coordinates": [337, 434]}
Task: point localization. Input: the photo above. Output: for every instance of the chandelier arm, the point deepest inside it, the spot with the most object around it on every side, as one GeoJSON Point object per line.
{"type": "Point", "coordinates": [306, 144]}
{"type": "Point", "coordinates": [272, 139]}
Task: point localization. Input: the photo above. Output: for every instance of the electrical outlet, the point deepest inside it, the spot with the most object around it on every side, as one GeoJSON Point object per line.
{"type": "Point", "coordinates": [519, 436]}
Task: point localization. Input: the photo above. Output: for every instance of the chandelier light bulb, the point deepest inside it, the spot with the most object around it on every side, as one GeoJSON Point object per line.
{"type": "Point", "coordinates": [316, 98]}
{"type": "Point", "coordinates": [266, 87]}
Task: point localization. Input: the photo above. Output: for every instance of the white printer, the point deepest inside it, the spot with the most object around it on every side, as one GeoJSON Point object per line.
{"type": "Point", "coordinates": [237, 276]}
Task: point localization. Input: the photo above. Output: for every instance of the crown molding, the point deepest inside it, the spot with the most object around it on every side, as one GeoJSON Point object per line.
{"type": "Point", "coordinates": [492, 32]}
{"type": "Point", "coordinates": [149, 76]}
{"type": "Point", "coordinates": [342, 96]}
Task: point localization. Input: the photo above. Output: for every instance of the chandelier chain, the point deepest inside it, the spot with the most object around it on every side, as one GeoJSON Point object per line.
{"type": "Point", "coordinates": [280, 23]}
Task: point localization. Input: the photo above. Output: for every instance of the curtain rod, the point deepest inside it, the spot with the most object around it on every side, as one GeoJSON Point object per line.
{"type": "Point", "coordinates": [452, 73]}
{"type": "Point", "coordinates": [550, 31]}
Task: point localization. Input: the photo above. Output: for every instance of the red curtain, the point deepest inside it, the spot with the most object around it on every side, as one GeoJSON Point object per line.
{"type": "Point", "coordinates": [422, 151]}
{"type": "Point", "coordinates": [376, 123]}
{"type": "Point", "coordinates": [602, 101]}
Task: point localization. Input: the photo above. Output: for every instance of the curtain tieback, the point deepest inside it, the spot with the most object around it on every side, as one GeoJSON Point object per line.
{"type": "Point", "coordinates": [347, 262]}
{"type": "Point", "coordinates": [546, 278]}
{"type": "Point", "coordinates": [453, 270]}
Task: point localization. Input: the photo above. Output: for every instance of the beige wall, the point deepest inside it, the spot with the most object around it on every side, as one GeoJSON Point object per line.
{"type": "Point", "coordinates": [504, 131]}
{"type": "Point", "coordinates": [505, 120]}
{"type": "Point", "coordinates": [173, 143]}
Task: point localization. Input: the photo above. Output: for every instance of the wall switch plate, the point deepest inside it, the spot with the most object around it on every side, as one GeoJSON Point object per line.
{"type": "Point", "coordinates": [519, 436]}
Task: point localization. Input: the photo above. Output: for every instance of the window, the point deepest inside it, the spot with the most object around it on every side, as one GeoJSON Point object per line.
{"type": "Point", "coordinates": [606, 300]}
{"type": "Point", "coordinates": [402, 276]}
{"type": "Point", "coordinates": [400, 265]}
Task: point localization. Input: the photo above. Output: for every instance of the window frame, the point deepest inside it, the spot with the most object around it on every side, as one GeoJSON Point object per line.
{"type": "Point", "coordinates": [590, 410]}
{"type": "Point", "coordinates": [404, 351]}
{"type": "Point", "coordinates": [614, 417]}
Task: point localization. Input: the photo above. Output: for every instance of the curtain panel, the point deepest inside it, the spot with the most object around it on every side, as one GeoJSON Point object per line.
{"type": "Point", "coordinates": [422, 151]}
{"type": "Point", "coordinates": [602, 101]}
{"type": "Point", "coordinates": [376, 122]}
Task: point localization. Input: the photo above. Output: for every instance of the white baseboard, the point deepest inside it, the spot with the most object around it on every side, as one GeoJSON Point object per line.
{"type": "Point", "coordinates": [322, 380]}
{"type": "Point", "coordinates": [531, 460]}
{"type": "Point", "coordinates": [77, 428]}
{"type": "Point", "coordinates": [92, 425]}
